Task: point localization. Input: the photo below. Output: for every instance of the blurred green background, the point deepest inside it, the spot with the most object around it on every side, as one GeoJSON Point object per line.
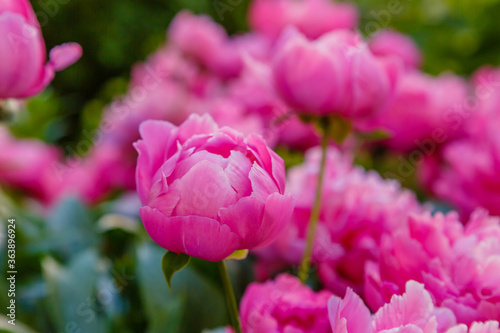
{"type": "Point", "coordinates": [459, 36]}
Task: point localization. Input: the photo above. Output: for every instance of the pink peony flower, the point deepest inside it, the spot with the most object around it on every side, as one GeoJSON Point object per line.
{"type": "Point", "coordinates": [29, 165]}
{"type": "Point", "coordinates": [311, 17]}
{"type": "Point", "coordinates": [412, 312]}
{"type": "Point", "coordinates": [358, 207]}
{"type": "Point", "coordinates": [335, 74]}
{"type": "Point", "coordinates": [421, 111]}
{"type": "Point", "coordinates": [460, 266]}
{"type": "Point", "coordinates": [284, 305]}
{"type": "Point", "coordinates": [392, 44]}
{"type": "Point", "coordinates": [23, 71]}
{"type": "Point", "coordinates": [208, 192]}
{"type": "Point", "coordinates": [199, 37]}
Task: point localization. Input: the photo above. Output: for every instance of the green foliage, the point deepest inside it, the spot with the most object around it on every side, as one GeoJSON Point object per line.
{"type": "Point", "coordinates": [94, 270]}
{"type": "Point", "coordinates": [172, 263]}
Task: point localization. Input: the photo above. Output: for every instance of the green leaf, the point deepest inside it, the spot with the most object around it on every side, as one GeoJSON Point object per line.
{"type": "Point", "coordinates": [376, 135]}
{"type": "Point", "coordinates": [339, 128]}
{"type": "Point", "coordinates": [193, 294]}
{"type": "Point", "coordinates": [172, 263]}
{"type": "Point", "coordinates": [73, 293]}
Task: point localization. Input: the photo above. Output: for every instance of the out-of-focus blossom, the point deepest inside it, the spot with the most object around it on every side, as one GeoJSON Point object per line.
{"type": "Point", "coordinates": [460, 266]}
{"type": "Point", "coordinates": [468, 172]}
{"type": "Point", "coordinates": [358, 207]}
{"type": "Point", "coordinates": [93, 177]}
{"type": "Point", "coordinates": [29, 165]}
{"type": "Point", "coordinates": [23, 71]}
{"type": "Point", "coordinates": [412, 312]}
{"type": "Point", "coordinates": [311, 17]}
{"type": "Point", "coordinates": [255, 91]}
{"type": "Point", "coordinates": [421, 111]}
{"type": "Point", "coordinates": [199, 37]}
{"type": "Point", "coordinates": [208, 192]}
{"type": "Point", "coordinates": [392, 44]}
{"type": "Point", "coordinates": [284, 305]}
{"type": "Point", "coordinates": [335, 74]}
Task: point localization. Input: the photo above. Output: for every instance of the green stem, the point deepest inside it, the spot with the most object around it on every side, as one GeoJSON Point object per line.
{"type": "Point", "coordinates": [231, 299]}
{"type": "Point", "coordinates": [313, 220]}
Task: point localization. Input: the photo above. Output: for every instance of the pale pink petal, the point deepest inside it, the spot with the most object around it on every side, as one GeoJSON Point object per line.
{"type": "Point", "coordinates": [414, 307]}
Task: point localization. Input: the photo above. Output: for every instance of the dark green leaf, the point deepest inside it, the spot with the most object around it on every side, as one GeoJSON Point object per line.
{"type": "Point", "coordinates": [172, 263]}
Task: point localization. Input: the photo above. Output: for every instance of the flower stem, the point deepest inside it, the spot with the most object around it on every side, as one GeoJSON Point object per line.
{"type": "Point", "coordinates": [231, 299]}
{"type": "Point", "coordinates": [313, 220]}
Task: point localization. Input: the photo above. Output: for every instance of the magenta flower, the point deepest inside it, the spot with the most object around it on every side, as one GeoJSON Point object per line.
{"type": "Point", "coordinates": [473, 181]}
{"type": "Point", "coordinates": [208, 192]}
{"type": "Point", "coordinates": [460, 266]}
{"type": "Point", "coordinates": [29, 165]}
{"type": "Point", "coordinates": [311, 17]}
{"type": "Point", "coordinates": [335, 74]}
{"type": "Point", "coordinates": [358, 207]}
{"type": "Point", "coordinates": [413, 312]}
{"type": "Point", "coordinates": [199, 37]}
{"type": "Point", "coordinates": [23, 71]}
{"type": "Point", "coordinates": [284, 305]}
{"type": "Point", "coordinates": [392, 44]}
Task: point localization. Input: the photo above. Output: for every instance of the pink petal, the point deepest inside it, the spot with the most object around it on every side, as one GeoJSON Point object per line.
{"type": "Point", "coordinates": [196, 236]}
{"type": "Point", "coordinates": [237, 171]}
{"type": "Point", "coordinates": [196, 125]}
{"type": "Point", "coordinates": [277, 215]}
{"type": "Point", "coordinates": [244, 218]}
{"type": "Point", "coordinates": [413, 307]}
{"type": "Point", "coordinates": [64, 55]}
{"type": "Point", "coordinates": [350, 314]}
{"type": "Point", "coordinates": [157, 137]}
{"type": "Point", "coordinates": [258, 224]}
{"type": "Point", "coordinates": [262, 183]}
{"type": "Point", "coordinates": [204, 190]}
{"type": "Point", "coordinates": [269, 160]}
{"type": "Point", "coordinates": [22, 57]}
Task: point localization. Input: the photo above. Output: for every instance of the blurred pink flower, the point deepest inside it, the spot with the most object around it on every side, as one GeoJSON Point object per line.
{"type": "Point", "coordinates": [208, 192]}
{"type": "Point", "coordinates": [201, 38]}
{"type": "Point", "coordinates": [29, 165]}
{"type": "Point", "coordinates": [311, 17]}
{"type": "Point", "coordinates": [358, 207]}
{"type": "Point", "coordinates": [460, 266]}
{"type": "Point", "coordinates": [421, 113]}
{"type": "Point", "coordinates": [468, 171]}
{"type": "Point", "coordinates": [335, 74]}
{"type": "Point", "coordinates": [392, 44]}
{"type": "Point", "coordinates": [282, 306]}
{"type": "Point", "coordinates": [412, 312]}
{"type": "Point", "coordinates": [23, 71]}
{"type": "Point", "coordinates": [255, 90]}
